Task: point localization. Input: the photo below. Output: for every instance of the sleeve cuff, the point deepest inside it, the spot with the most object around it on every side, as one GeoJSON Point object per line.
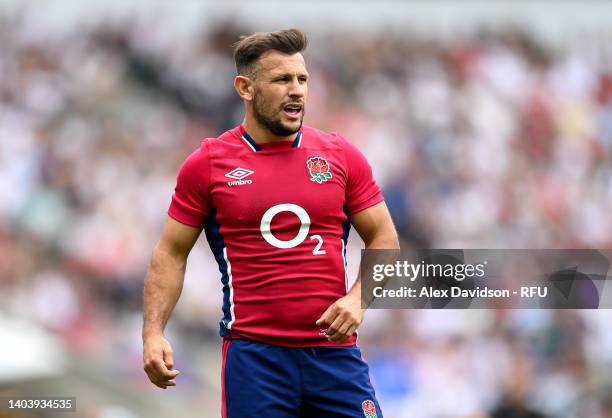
{"type": "Point", "coordinates": [377, 198]}
{"type": "Point", "coordinates": [194, 221]}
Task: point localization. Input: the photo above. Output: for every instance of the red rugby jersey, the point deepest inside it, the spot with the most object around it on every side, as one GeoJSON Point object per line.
{"type": "Point", "coordinates": [277, 217]}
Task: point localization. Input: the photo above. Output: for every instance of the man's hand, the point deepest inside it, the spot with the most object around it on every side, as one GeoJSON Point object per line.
{"type": "Point", "coordinates": [159, 361]}
{"type": "Point", "coordinates": [343, 317]}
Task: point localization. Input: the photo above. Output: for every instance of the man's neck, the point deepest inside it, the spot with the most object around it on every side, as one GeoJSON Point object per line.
{"type": "Point", "coordinates": [262, 135]}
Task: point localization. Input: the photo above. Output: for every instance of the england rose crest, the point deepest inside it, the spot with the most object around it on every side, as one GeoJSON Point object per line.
{"type": "Point", "coordinates": [319, 169]}
{"type": "Point", "coordinates": [369, 409]}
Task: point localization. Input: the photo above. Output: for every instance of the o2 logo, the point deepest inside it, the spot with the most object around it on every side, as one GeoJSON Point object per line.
{"type": "Point", "coordinates": [301, 213]}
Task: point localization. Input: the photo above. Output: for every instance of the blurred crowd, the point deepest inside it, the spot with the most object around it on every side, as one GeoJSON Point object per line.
{"type": "Point", "coordinates": [488, 140]}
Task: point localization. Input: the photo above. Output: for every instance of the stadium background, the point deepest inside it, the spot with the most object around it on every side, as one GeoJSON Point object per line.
{"type": "Point", "coordinates": [488, 125]}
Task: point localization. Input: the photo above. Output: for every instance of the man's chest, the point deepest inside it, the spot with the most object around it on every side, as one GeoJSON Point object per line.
{"type": "Point", "coordinates": [308, 183]}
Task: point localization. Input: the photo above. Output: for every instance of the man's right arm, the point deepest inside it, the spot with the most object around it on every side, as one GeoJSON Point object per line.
{"type": "Point", "coordinates": [163, 286]}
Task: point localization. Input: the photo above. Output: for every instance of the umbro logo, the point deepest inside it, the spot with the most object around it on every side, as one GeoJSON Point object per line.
{"type": "Point", "coordinates": [239, 174]}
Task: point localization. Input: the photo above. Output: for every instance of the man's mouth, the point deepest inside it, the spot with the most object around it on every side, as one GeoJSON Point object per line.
{"type": "Point", "coordinates": [293, 110]}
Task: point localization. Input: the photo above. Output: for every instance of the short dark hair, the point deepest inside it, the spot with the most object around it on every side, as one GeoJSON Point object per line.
{"type": "Point", "coordinates": [250, 48]}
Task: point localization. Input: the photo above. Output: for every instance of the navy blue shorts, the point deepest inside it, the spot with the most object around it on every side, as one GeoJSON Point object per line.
{"type": "Point", "coordinates": [262, 380]}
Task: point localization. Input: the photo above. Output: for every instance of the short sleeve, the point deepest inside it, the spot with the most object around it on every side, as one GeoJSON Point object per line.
{"type": "Point", "coordinates": [191, 201]}
{"type": "Point", "coordinates": [361, 190]}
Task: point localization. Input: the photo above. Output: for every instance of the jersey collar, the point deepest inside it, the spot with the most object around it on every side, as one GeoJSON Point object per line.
{"type": "Point", "coordinates": [247, 139]}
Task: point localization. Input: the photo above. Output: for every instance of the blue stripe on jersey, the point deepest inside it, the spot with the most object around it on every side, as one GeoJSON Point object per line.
{"type": "Point", "coordinates": [346, 229]}
{"type": "Point", "coordinates": [251, 141]}
{"type": "Point", "coordinates": [297, 141]}
{"type": "Point", "coordinates": [217, 246]}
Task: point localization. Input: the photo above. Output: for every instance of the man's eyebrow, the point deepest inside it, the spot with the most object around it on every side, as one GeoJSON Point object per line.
{"type": "Point", "coordinates": [287, 75]}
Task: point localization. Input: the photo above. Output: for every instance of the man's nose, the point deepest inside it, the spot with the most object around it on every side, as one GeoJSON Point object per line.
{"type": "Point", "coordinates": [297, 89]}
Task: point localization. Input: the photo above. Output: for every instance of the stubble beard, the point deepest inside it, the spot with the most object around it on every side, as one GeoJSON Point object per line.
{"type": "Point", "coordinates": [274, 124]}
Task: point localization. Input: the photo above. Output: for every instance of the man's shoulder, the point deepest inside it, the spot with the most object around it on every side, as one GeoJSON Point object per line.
{"type": "Point", "coordinates": [221, 143]}
{"type": "Point", "coordinates": [317, 138]}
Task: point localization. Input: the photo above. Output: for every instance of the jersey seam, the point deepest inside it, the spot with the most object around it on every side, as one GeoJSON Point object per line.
{"type": "Point", "coordinates": [348, 177]}
{"type": "Point", "coordinates": [208, 158]}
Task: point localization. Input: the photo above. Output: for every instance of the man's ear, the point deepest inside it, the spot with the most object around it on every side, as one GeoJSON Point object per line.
{"type": "Point", "coordinates": [244, 87]}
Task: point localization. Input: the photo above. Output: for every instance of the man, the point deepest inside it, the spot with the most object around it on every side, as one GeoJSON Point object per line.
{"type": "Point", "coordinates": [276, 200]}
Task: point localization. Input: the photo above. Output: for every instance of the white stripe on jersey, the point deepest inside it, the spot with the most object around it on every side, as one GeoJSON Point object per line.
{"type": "Point", "coordinates": [229, 283]}
{"type": "Point", "coordinates": [345, 266]}
{"type": "Point", "coordinates": [248, 143]}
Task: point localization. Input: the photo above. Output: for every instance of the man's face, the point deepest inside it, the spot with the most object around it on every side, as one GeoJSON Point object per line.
{"type": "Point", "coordinates": [280, 90]}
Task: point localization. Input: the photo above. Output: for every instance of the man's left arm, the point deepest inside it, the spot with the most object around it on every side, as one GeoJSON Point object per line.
{"type": "Point", "coordinates": [376, 228]}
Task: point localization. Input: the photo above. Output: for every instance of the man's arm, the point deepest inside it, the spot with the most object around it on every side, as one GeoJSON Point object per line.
{"type": "Point", "coordinates": [376, 228]}
{"type": "Point", "coordinates": [163, 285]}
